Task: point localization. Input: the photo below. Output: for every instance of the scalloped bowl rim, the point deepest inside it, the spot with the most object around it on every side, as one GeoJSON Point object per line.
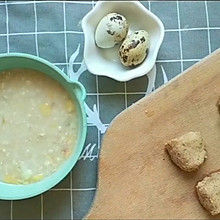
{"type": "Point", "coordinates": [138, 71]}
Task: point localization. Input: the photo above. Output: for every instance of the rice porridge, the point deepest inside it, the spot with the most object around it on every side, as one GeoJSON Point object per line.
{"type": "Point", "coordinates": [39, 126]}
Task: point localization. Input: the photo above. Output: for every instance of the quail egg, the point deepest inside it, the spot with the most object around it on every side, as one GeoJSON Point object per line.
{"type": "Point", "coordinates": [112, 29]}
{"type": "Point", "coordinates": [134, 48]}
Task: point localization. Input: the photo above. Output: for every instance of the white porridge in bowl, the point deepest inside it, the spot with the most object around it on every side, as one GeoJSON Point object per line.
{"type": "Point", "coordinates": [38, 126]}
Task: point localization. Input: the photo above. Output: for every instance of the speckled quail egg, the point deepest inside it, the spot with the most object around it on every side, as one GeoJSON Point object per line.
{"type": "Point", "coordinates": [112, 29]}
{"type": "Point", "coordinates": [134, 48]}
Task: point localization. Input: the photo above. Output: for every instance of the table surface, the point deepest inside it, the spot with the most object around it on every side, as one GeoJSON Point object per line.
{"type": "Point", "coordinates": [52, 30]}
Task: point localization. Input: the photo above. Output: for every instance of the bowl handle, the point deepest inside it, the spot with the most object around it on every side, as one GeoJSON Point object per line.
{"type": "Point", "coordinates": [79, 90]}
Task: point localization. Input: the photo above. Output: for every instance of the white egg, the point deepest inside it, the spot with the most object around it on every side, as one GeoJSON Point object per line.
{"type": "Point", "coordinates": [112, 29]}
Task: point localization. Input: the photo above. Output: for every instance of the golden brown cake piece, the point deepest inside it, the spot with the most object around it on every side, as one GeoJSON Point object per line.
{"type": "Point", "coordinates": [208, 191]}
{"type": "Point", "coordinates": [188, 151]}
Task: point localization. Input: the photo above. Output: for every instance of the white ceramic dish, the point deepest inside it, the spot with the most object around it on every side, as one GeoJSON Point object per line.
{"type": "Point", "coordinates": [105, 62]}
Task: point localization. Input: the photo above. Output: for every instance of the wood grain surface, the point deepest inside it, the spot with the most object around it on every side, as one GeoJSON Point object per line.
{"type": "Point", "coordinates": [137, 179]}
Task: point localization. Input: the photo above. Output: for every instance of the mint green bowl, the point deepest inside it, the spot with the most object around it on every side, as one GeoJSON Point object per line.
{"type": "Point", "coordinates": [77, 93]}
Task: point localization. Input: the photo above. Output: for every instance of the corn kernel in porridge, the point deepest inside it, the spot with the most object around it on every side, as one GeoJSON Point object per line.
{"type": "Point", "coordinates": [70, 106]}
{"type": "Point", "coordinates": [46, 109]}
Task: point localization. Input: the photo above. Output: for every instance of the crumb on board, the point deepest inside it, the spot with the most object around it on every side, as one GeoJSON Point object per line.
{"type": "Point", "coordinates": [218, 105]}
{"type": "Point", "coordinates": [149, 113]}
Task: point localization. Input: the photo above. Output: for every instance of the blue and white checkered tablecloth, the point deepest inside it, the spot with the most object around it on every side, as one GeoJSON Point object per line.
{"type": "Point", "coordinates": [52, 30]}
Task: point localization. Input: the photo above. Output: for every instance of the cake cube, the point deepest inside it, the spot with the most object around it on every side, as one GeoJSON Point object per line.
{"type": "Point", "coordinates": [188, 151]}
{"type": "Point", "coordinates": [208, 191]}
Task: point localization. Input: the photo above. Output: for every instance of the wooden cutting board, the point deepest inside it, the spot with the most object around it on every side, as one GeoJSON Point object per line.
{"type": "Point", "coordinates": [137, 179]}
